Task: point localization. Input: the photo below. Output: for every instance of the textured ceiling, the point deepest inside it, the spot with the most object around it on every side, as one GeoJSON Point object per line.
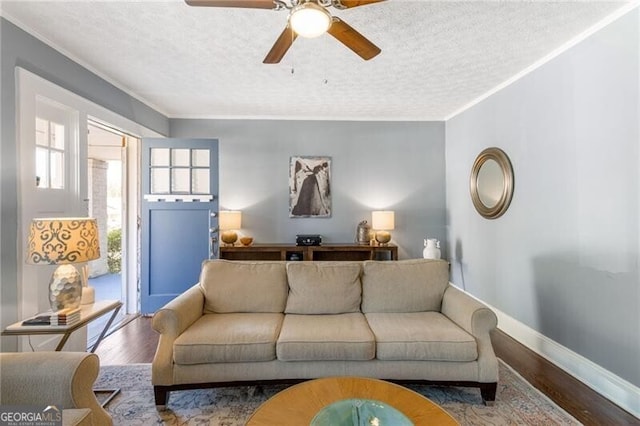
{"type": "Point", "coordinates": [437, 57]}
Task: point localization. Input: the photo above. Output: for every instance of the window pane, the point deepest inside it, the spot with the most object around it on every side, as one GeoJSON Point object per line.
{"type": "Point", "coordinates": [42, 165]}
{"type": "Point", "coordinates": [200, 183]}
{"type": "Point", "coordinates": [42, 132]}
{"type": "Point", "coordinates": [180, 183]}
{"type": "Point", "coordinates": [57, 136]}
{"type": "Point", "coordinates": [200, 158]}
{"type": "Point", "coordinates": [160, 181]}
{"type": "Point", "coordinates": [160, 157]}
{"type": "Point", "coordinates": [180, 158]}
{"type": "Point", "coordinates": [57, 169]}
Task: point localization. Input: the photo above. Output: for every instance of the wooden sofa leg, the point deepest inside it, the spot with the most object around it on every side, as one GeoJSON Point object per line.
{"type": "Point", "coordinates": [161, 395]}
{"type": "Point", "coordinates": [488, 392]}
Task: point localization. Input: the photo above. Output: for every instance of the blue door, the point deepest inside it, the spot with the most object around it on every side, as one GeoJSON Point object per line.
{"type": "Point", "coordinates": [179, 216]}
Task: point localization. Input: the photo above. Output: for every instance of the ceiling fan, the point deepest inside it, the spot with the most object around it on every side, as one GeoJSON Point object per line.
{"type": "Point", "coordinates": [307, 18]}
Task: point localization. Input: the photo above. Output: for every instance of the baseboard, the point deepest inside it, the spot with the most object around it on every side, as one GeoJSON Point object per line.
{"type": "Point", "coordinates": [607, 384]}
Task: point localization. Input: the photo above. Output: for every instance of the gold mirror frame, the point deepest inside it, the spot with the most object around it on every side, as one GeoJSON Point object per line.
{"type": "Point", "coordinates": [499, 156]}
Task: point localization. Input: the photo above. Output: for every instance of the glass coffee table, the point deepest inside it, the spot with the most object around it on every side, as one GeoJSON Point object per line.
{"type": "Point", "coordinates": [349, 401]}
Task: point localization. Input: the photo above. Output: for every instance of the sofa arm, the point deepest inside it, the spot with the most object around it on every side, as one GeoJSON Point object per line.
{"type": "Point", "coordinates": [478, 320]}
{"type": "Point", "coordinates": [174, 317]}
{"type": "Point", "coordinates": [171, 321]}
{"type": "Point", "coordinates": [50, 378]}
{"type": "Point", "coordinates": [469, 313]}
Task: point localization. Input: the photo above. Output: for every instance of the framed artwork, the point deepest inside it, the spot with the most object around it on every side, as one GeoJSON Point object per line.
{"type": "Point", "coordinates": [310, 187]}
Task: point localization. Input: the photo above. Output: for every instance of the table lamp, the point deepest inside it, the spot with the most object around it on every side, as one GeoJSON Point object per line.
{"type": "Point", "coordinates": [63, 242]}
{"type": "Point", "coordinates": [382, 222]}
{"type": "Point", "coordinates": [230, 221]}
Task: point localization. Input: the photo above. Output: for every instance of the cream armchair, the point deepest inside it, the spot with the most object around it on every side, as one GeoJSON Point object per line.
{"type": "Point", "coordinates": [47, 378]}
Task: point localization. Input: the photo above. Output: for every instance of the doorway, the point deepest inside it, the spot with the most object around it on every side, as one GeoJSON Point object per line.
{"type": "Point", "coordinates": [108, 183]}
{"type": "Point", "coordinates": [48, 115]}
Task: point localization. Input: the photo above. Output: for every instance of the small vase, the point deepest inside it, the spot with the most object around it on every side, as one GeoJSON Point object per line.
{"type": "Point", "coordinates": [431, 249]}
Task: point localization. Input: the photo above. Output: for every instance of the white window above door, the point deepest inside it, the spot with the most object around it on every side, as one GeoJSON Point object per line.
{"type": "Point", "coordinates": [51, 146]}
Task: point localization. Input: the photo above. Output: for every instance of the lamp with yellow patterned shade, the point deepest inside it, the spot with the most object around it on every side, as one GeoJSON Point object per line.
{"type": "Point", "coordinates": [63, 242]}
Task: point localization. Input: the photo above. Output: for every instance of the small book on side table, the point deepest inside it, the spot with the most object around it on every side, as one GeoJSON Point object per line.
{"type": "Point", "coordinates": [37, 321]}
{"type": "Point", "coordinates": [61, 318]}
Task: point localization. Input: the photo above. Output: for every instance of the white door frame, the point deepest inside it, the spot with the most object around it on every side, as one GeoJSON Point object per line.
{"type": "Point", "coordinates": [130, 224]}
{"type": "Point", "coordinates": [29, 86]}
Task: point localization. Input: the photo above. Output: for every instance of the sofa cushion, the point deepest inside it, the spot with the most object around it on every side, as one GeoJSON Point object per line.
{"type": "Point", "coordinates": [235, 337]}
{"type": "Point", "coordinates": [323, 287]}
{"type": "Point", "coordinates": [344, 337]}
{"type": "Point", "coordinates": [236, 286]}
{"type": "Point", "coordinates": [420, 336]}
{"type": "Point", "coordinates": [415, 285]}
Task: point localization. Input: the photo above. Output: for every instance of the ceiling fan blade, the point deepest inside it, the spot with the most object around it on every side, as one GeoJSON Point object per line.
{"type": "Point", "coordinates": [282, 44]}
{"type": "Point", "coordinates": [355, 41]}
{"type": "Point", "coordinates": [247, 4]}
{"type": "Point", "coordinates": [356, 3]}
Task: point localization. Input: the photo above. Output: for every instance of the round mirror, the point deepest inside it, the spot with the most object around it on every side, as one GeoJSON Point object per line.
{"type": "Point", "coordinates": [491, 183]}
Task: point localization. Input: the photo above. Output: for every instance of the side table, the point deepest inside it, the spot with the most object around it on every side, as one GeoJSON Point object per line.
{"type": "Point", "coordinates": [88, 313]}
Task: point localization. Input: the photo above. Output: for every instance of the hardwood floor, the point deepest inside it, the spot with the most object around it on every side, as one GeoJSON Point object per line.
{"type": "Point", "coordinates": [569, 393]}
{"type": "Point", "coordinates": [136, 343]}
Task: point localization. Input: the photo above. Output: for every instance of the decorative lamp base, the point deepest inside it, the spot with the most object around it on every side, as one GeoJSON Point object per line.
{"type": "Point", "coordinates": [65, 288]}
{"type": "Point", "coordinates": [383, 237]}
{"type": "Point", "coordinates": [229, 237]}
{"type": "Point", "coordinates": [88, 295]}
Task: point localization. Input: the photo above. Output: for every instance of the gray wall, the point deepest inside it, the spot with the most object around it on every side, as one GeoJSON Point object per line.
{"type": "Point", "coordinates": [18, 48]}
{"type": "Point", "coordinates": [375, 165]}
{"type": "Point", "coordinates": [564, 258]}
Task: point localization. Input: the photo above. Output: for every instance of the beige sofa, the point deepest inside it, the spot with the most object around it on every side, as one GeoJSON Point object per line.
{"type": "Point", "coordinates": [248, 322]}
{"type": "Point", "coordinates": [64, 379]}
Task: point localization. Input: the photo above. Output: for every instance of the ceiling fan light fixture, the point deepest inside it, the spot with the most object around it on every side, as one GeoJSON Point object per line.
{"type": "Point", "coordinates": [309, 20]}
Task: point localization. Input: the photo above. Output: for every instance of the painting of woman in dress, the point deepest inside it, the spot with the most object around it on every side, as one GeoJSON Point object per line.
{"type": "Point", "coordinates": [310, 187]}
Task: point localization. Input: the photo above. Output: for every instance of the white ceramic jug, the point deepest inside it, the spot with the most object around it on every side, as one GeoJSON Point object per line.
{"type": "Point", "coordinates": [431, 249]}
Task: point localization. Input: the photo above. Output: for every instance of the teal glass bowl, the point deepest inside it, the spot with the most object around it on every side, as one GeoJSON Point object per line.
{"type": "Point", "coordinates": [360, 412]}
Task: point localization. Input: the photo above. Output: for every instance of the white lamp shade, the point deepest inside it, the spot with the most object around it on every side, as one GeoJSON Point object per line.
{"type": "Point", "coordinates": [309, 20]}
{"type": "Point", "coordinates": [384, 220]}
{"type": "Point", "coordinates": [230, 219]}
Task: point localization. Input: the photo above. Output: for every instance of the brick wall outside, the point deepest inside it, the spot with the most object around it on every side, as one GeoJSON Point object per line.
{"type": "Point", "coordinates": [98, 209]}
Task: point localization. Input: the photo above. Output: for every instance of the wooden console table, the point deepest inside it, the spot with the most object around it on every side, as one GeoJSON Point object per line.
{"type": "Point", "coordinates": [352, 252]}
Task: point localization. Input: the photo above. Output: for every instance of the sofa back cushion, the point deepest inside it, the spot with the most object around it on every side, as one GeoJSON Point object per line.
{"type": "Point", "coordinates": [415, 285]}
{"type": "Point", "coordinates": [238, 286]}
{"type": "Point", "coordinates": [324, 287]}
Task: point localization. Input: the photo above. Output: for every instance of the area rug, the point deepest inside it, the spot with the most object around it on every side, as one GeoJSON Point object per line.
{"type": "Point", "coordinates": [517, 402]}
